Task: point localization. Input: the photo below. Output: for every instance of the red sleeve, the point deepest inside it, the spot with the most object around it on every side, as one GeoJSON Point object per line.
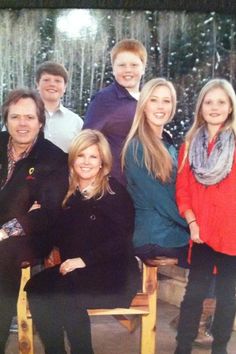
{"type": "Point", "coordinates": [183, 182]}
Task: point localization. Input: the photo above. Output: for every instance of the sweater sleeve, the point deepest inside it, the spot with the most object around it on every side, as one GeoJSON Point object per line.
{"type": "Point", "coordinates": [96, 114]}
{"type": "Point", "coordinates": [182, 183]}
{"type": "Point", "coordinates": [153, 193]}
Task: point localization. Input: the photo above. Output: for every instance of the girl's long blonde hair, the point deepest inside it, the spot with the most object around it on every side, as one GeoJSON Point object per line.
{"type": "Point", "coordinates": [198, 117]}
{"type": "Point", "coordinates": [82, 141]}
{"type": "Point", "coordinates": [156, 158]}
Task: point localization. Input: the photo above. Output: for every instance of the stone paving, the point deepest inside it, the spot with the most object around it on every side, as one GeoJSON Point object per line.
{"type": "Point", "coordinates": [109, 337]}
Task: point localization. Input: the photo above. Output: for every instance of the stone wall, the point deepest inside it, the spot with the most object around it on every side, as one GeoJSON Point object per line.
{"type": "Point", "coordinates": [172, 282]}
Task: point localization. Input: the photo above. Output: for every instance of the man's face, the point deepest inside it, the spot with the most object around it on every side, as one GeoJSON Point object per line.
{"type": "Point", "coordinates": [23, 123]}
{"type": "Point", "coordinates": [128, 69]}
{"type": "Point", "coordinates": [51, 87]}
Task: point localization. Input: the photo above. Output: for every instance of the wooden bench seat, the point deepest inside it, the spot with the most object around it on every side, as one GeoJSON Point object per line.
{"type": "Point", "coordinates": [139, 305]}
{"type": "Point", "coordinates": [143, 310]}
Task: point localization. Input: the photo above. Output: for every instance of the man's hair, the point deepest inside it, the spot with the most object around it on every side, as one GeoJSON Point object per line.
{"type": "Point", "coordinates": [50, 67]}
{"type": "Point", "coordinates": [129, 45]}
{"type": "Point", "coordinates": [15, 95]}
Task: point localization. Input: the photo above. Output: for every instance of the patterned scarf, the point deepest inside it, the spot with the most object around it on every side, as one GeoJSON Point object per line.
{"type": "Point", "coordinates": [214, 167]}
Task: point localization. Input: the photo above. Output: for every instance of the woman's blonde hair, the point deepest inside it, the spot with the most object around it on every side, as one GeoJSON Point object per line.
{"type": "Point", "coordinates": [198, 117]}
{"type": "Point", "coordinates": [156, 157]}
{"type": "Point", "coordinates": [82, 141]}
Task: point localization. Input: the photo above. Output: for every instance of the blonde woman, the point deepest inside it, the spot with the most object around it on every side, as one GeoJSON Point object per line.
{"type": "Point", "coordinates": [93, 234]}
{"type": "Point", "coordinates": [149, 160]}
{"type": "Point", "coordinates": [206, 197]}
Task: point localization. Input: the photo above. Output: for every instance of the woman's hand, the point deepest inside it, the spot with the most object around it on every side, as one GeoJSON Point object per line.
{"type": "Point", "coordinates": [195, 232]}
{"type": "Point", "coordinates": [35, 206]}
{"type": "Point", "coordinates": [71, 264]}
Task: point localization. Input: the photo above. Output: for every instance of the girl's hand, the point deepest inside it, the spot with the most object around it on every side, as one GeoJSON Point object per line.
{"type": "Point", "coordinates": [71, 264]}
{"type": "Point", "coordinates": [35, 206]}
{"type": "Point", "coordinates": [195, 232]}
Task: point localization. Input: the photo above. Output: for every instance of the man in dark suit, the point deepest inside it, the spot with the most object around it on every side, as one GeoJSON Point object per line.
{"type": "Point", "coordinates": [32, 170]}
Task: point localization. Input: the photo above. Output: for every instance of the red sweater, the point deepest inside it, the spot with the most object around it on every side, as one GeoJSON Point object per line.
{"type": "Point", "coordinates": [214, 206]}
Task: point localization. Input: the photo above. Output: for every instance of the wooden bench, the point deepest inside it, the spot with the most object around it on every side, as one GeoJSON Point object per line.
{"type": "Point", "coordinates": [143, 310]}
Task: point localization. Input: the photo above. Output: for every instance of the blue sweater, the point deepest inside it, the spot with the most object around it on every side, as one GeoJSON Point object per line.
{"type": "Point", "coordinates": [157, 220]}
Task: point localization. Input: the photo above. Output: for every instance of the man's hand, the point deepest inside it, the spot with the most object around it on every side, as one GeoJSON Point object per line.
{"type": "Point", "coordinates": [3, 235]}
{"type": "Point", "coordinates": [71, 264]}
{"type": "Point", "coordinates": [35, 206]}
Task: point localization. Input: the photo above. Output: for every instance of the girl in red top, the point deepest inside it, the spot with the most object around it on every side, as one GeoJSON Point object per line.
{"type": "Point", "coordinates": [206, 197]}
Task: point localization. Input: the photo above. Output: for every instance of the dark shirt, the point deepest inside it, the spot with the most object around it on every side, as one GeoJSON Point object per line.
{"type": "Point", "coordinates": [100, 232]}
{"type": "Point", "coordinates": [42, 176]}
{"type": "Point", "coordinates": [111, 111]}
{"type": "Point", "coordinates": [97, 230]}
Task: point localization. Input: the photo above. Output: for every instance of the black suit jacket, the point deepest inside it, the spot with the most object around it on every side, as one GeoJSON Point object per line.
{"type": "Point", "coordinates": [42, 177]}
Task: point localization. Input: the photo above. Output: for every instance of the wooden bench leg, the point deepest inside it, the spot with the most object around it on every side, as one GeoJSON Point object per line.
{"type": "Point", "coordinates": [148, 323]}
{"type": "Point", "coordinates": [25, 326]}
